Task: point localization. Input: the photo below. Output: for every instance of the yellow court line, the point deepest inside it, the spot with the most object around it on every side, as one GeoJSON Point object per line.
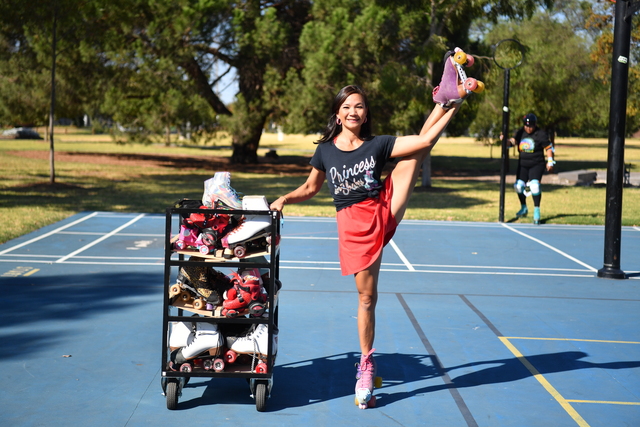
{"type": "Point", "coordinates": [547, 386]}
{"type": "Point", "coordinates": [606, 402]}
{"type": "Point", "coordinates": [29, 273]}
{"type": "Point", "coordinates": [572, 339]}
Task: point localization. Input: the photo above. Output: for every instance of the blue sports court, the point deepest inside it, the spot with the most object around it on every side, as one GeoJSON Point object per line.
{"type": "Point", "coordinates": [478, 324]}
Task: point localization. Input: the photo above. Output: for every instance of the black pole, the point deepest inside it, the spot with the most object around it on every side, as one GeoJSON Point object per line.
{"type": "Point", "coordinates": [615, 161]}
{"type": "Point", "coordinates": [504, 168]}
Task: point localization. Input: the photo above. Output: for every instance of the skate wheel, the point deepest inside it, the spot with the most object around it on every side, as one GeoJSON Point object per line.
{"type": "Point", "coordinates": [257, 309]}
{"type": "Point", "coordinates": [185, 296]}
{"type": "Point", "coordinates": [480, 87]}
{"type": "Point", "coordinates": [261, 368]}
{"type": "Point", "coordinates": [180, 245]}
{"type": "Point", "coordinates": [377, 382]}
{"type": "Point", "coordinates": [471, 84]}
{"type": "Point", "coordinates": [218, 365]}
{"type": "Point", "coordinates": [239, 251]}
{"type": "Point", "coordinates": [186, 367]}
{"type": "Point", "coordinates": [209, 239]}
{"type": "Point", "coordinates": [207, 365]}
{"type": "Point", "coordinates": [470, 61]}
{"type": "Point", "coordinates": [172, 395]}
{"type": "Point", "coordinates": [199, 304]}
{"type": "Point", "coordinates": [260, 395]}
{"type": "Point", "coordinates": [174, 290]}
{"type": "Point", "coordinates": [230, 356]}
{"type": "Point", "coordinates": [204, 249]}
{"type": "Point", "coordinates": [372, 402]}
{"type": "Point", "coordinates": [230, 313]}
{"type": "Point", "coordinates": [460, 57]}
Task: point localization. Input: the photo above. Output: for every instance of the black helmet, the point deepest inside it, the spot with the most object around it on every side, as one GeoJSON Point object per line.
{"type": "Point", "coordinates": [530, 119]}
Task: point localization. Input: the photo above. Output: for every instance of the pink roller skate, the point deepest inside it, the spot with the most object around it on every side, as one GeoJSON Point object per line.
{"type": "Point", "coordinates": [367, 380]}
{"type": "Point", "coordinates": [455, 85]}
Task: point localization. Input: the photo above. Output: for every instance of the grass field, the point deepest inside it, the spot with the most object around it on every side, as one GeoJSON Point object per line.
{"type": "Point", "coordinates": [94, 173]}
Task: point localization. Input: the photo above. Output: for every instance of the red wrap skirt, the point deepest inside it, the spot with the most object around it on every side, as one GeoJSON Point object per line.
{"type": "Point", "coordinates": [364, 229]}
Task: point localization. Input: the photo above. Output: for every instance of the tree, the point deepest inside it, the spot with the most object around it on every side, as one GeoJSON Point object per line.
{"type": "Point", "coordinates": [555, 80]}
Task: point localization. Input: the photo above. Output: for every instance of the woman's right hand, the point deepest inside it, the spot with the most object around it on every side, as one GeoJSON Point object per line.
{"type": "Point", "coordinates": [278, 205]}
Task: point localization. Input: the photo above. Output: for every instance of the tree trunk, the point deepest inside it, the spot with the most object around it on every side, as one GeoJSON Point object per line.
{"type": "Point", "coordinates": [426, 172]}
{"type": "Point", "coordinates": [245, 143]}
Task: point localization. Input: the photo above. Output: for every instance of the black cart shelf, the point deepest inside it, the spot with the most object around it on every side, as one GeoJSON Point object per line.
{"type": "Point", "coordinates": [175, 310]}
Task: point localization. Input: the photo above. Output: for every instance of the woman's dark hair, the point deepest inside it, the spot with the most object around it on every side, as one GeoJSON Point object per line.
{"type": "Point", "coordinates": [333, 129]}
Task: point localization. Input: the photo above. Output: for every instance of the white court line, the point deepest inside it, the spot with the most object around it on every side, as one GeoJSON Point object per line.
{"type": "Point", "coordinates": [550, 247]}
{"type": "Point", "coordinates": [28, 242]}
{"type": "Point", "coordinates": [401, 255]}
{"type": "Point", "coordinates": [95, 242]}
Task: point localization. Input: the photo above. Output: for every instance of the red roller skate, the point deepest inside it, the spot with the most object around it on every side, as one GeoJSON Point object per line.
{"type": "Point", "coordinates": [245, 294]}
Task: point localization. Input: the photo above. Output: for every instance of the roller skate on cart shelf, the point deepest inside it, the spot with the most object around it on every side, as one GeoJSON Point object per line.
{"type": "Point", "coordinates": [253, 232]}
{"type": "Point", "coordinates": [455, 85]}
{"type": "Point", "coordinates": [254, 344]}
{"type": "Point", "coordinates": [201, 286]}
{"type": "Point", "coordinates": [366, 381]}
{"type": "Point", "coordinates": [219, 194]}
{"type": "Point", "coordinates": [246, 294]}
{"type": "Point", "coordinates": [203, 349]}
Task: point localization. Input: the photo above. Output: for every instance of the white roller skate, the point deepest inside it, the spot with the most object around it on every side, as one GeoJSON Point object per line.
{"type": "Point", "coordinates": [207, 341]}
{"type": "Point", "coordinates": [366, 381]}
{"type": "Point", "coordinates": [253, 230]}
{"type": "Point", "coordinates": [218, 192]}
{"type": "Point", "coordinates": [180, 334]}
{"type": "Point", "coordinates": [255, 344]}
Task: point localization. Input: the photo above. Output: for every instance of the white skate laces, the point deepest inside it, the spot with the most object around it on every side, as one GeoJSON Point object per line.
{"type": "Point", "coordinates": [256, 343]}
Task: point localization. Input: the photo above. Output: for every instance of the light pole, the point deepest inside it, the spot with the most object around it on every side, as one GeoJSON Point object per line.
{"type": "Point", "coordinates": [507, 54]}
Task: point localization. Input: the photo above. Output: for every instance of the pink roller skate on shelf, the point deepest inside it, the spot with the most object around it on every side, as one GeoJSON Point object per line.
{"type": "Point", "coordinates": [455, 85]}
{"type": "Point", "coordinates": [367, 380]}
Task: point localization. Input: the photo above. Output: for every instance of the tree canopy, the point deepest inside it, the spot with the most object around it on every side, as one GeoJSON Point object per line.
{"type": "Point", "coordinates": [153, 65]}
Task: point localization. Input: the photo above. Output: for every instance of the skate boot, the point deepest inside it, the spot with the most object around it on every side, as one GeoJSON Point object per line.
{"type": "Point", "coordinates": [255, 344]}
{"type": "Point", "coordinates": [455, 85]}
{"type": "Point", "coordinates": [180, 335]}
{"type": "Point", "coordinates": [252, 228]}
{"type": "Point", "coordinates": [522, 212]}
{"type": "Point", "coordinates": [206, 341]}
{"type": "Point", "coordinates": [536, 215]}
{"type": "Point", "coordinates": [367, 380]}
{"type": "Point", "coordinates": [202, 284]}
{"type": "Point", "coordinates": [219, 193]}
{"type": "Point", "coordinates": [246, 293]}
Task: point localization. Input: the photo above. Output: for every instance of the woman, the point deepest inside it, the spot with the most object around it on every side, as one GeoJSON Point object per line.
{"type": "Point", "coordinates": [368, 210]}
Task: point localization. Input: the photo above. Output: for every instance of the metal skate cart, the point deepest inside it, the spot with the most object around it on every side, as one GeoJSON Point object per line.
{"type": "Point", "coordinates": [181, 307]}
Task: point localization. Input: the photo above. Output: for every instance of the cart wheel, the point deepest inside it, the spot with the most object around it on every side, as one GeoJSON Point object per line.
{"type": "Point", "coordinates": [172, 395]}
{"type": "Point", "coordinates": [261, 368]}
{"type": "Point", "coordinates": [239, 251]}
{"type": "Point", "coordinates": [261, 396]}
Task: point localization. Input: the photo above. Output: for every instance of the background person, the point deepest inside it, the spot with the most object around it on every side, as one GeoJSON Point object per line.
{"type": "Point", "coordinates": [535, 156]}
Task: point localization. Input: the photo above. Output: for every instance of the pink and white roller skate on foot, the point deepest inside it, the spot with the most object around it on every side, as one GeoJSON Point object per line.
{"type": "Point", "coordinates": [367, 380]}
{"type": "Point", "coordinates": [455, 85]}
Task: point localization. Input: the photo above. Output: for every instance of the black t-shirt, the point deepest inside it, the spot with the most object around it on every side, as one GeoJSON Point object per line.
{"type": "Point", "coordinates": [353, 176]}
{"type": "Point", "coordinates": [532, 146]}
